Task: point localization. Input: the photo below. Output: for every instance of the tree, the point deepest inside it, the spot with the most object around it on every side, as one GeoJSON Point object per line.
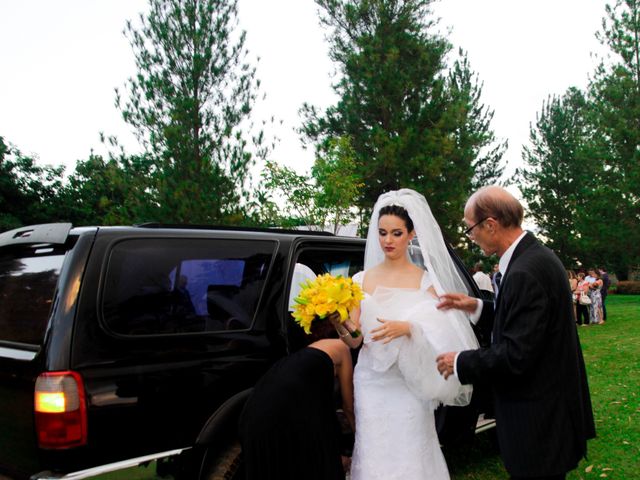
{"type": "Point", "coordinates": [475, 139]}
{"type": "Point", "coordinates": [189, 103]}
{"type": "Point", "coordinates": [338, 185]}
{"type": "Point", "coordinates": [582, 182]}
{"type": "Point", "coordinates": [297, 190]}
{"type": "Point", "coordinates": [615, 93]}
{"type": "Point", "coordinates": [411, 124]}
{"type": "Point", "coordinates": [324, 199]}
{"type": "Point", "coordinates": [28, 192]}
{"type": "Point", "coordinates": [560, 172]}
{"type": "Point", "coordinates": [109, 192]}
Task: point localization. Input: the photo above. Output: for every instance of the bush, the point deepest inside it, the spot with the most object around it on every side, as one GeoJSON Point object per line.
{"type": "Point", "coordinates": [628, 287]}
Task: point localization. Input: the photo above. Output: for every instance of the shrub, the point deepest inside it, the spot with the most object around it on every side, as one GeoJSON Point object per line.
{"type": "Point", "coordinates": [628, 287]}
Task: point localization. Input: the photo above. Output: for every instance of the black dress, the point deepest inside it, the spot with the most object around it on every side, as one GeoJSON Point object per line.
{"type": "Point", "coordinates": [289, 428]}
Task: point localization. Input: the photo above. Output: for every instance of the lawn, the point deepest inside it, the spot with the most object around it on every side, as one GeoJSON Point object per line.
{"type": "Point", "coordinates": [612, 358]}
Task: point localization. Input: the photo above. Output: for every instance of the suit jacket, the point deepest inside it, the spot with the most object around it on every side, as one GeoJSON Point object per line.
{"type": "Point", "coordinates": [534, 366]}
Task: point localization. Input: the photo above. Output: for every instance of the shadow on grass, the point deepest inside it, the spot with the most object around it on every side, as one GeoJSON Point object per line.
{"type": "Point", "coordinates": [479, 460]}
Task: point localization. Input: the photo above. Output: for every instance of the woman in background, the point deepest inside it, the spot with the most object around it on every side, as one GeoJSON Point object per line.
{"type": "Point", "coordinates": [596, 297]}
{"type": "Point", "coordinates": [582, 311]}
{"type": "Point", "coordinates": [573, 285]}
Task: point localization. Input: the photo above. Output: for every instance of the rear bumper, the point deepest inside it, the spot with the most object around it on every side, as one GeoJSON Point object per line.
{"type": "Point", "coordinates": [110, 467]}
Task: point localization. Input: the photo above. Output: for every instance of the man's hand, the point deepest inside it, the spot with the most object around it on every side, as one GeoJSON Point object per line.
{"type": "Point", "coordinates": [445, 363]}
{"type": "Point", "coordinates": [458, 301]}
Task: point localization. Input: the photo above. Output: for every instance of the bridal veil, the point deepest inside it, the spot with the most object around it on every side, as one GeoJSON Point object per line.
{"type": "Point", "coordinates": [450, 330]}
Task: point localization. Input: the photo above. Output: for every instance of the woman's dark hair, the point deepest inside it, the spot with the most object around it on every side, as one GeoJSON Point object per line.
{"type": "Point", "coordinates": [321, 328]}
{"type": "Point", "coordinates": [397, 211]}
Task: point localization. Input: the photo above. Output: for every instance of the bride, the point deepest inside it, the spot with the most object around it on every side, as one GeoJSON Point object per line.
{"type": "Point", "coordinates": [397, 386]}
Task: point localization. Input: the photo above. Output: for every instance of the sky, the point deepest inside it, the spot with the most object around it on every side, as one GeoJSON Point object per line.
{"type": "Point", "coordinates": [61, 60]}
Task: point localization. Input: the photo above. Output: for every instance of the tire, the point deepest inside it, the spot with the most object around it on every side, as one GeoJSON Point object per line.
{"type": "Point", "coordinates": [225, 465]}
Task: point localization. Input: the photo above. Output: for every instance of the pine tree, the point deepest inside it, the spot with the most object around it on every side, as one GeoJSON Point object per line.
{"type": "Point", "coordinates": [109, 192]}
{"type": "Point", "coordinates": [411, 122]}
{"type": "Point", "coordinates": [189, 104]}
{"type": "Point", "coordinates": [28, 191]}
{"type": "Point", "coordinates": [560, 172]}
{"type": "Point", "coordinates": [615, 93]}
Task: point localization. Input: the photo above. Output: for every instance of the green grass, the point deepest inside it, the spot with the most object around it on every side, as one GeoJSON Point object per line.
{"type": "Point", "coordinates": [612, 358]}
{"type": "Point", "coordinates": [135, 473]}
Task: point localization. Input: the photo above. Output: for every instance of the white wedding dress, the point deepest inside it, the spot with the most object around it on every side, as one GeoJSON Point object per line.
{"type": "Point", "coordinates": [397, 387]}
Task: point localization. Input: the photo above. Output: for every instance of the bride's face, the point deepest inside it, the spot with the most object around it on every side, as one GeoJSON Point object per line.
{"type": "Point", "coordinates": [393, 236]}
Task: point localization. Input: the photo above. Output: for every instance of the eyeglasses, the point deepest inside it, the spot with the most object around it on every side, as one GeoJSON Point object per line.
{"type": "Point", "coordinates": [468, 231]}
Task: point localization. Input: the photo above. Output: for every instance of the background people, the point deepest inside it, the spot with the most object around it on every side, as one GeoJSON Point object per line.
{"type": "Point", "coordinates": [606, 283]}
{"type": "Point", "coordinates": [573, 285]}
{"type": "Point", "coordinates": [482, 279]}
{"type": "Point", "coordinates": [582, 311]}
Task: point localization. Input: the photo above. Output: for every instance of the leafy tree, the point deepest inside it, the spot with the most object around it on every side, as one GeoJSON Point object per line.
{"type": "Point", "coordinates": [109, 192]}
{"type": "Point", "coordinates": [189, 103]}
{"type": "Point", "coordinates": [325, 198]}
{"type": "Point", "coordinates": [338, 186]}
{"type": "Point", "coordinates": [411, 123]}
{"type": "Point", "coordinates": [28, 191]}
{"type": "Point", "coordinates": [297, 190]}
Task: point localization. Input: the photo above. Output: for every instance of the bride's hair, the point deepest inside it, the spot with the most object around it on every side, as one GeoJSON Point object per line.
{"type": "Point", "coordinates": [397, 211]}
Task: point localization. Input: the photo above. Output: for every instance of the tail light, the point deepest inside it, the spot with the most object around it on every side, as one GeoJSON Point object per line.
{"type": "Point", "coordinates": [60, 410]}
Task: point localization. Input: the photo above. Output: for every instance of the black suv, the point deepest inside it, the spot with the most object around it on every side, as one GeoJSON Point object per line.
{"type": "Point", "coordinates": [124, 345]}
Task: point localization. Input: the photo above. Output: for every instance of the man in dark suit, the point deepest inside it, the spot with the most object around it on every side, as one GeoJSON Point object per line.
{"type": "Point", "coordinates": [534, 363]}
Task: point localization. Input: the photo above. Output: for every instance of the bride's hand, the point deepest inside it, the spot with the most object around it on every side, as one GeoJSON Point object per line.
{"type": "Point", "coordinates": [390, 329]}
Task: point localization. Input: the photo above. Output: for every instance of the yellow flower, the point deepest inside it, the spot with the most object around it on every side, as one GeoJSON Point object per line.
{"type": "Point", "coordinates": [323, 296]}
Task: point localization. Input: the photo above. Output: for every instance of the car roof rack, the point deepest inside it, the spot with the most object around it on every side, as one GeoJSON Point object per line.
{"type": "Point", "coordinates": [234, 228]}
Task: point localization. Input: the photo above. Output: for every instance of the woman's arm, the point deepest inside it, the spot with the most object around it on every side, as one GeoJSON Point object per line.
{"type": "Point", "coordinates": [344, 371]}
{"type": "Point", "coordinates": [351, 325]}
{"type": "Point", "coordinates": [341, 358]}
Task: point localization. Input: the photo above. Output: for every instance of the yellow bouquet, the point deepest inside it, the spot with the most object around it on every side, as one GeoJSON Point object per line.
{"type": "Point", "coordinates": [325, 296]}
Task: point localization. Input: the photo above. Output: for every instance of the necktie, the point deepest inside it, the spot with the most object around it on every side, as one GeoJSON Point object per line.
{"type": "Point", "coordinates": [497, 277]}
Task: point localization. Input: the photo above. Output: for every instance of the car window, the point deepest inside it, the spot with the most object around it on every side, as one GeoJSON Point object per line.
{"type": "Point", "coordinates": [28, 279]}
{"type": "Point", "coordinates": [171, 286]}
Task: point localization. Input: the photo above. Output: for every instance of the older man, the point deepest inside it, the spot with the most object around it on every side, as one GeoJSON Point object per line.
{"type": "Point", "coordinates": [534, 363]}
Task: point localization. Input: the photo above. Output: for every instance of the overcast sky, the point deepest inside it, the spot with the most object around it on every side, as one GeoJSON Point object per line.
{"type": "Point", "coordinates": [62, 59]}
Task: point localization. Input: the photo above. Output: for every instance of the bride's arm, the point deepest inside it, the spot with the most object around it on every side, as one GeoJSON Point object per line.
{"type": "Point", "coordinates": [391, 329]}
